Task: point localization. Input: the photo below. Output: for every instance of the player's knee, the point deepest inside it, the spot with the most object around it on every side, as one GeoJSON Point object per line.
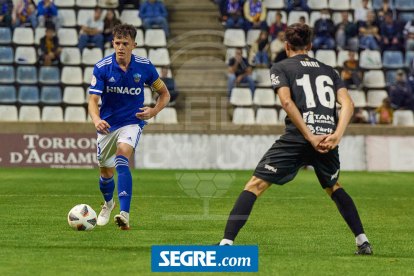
{"type": "Point", "coordinates": [256, 186]}
{"type": "Point", "coordinates": [107, 172]}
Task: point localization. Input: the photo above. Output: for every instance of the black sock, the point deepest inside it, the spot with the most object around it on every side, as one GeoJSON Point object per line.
{"type": "Point", "coordinates": [239, 214]}
{"type": "Point", "coordinates": [348, 210]}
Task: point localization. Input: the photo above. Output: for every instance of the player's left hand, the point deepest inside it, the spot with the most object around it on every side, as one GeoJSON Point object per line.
{"type": "Point", "coordinates": [147, 113]}
{"type": "Point", "coordinates": [331, 142]}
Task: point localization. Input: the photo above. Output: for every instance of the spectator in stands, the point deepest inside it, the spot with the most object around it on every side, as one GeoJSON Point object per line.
{"type": "Point", "coordinates": [255, 14]}
{"type": "Point", "coordinates": [324, 31]}
{"type": "Point", "coordinates": [385, 9]}
{"type": "Point", "coordinates": [92, 31]}
{"type": "Point", "coordinates": [409, 35]}
{"type": "Point", "coordinates": [302, 20]}
{"type": "Point", "coordinates": [23, 11]}
{"type": "Point", "coordinates": [360, 14]}
{"type": "Point", "coordinates": [50, 47]}
{"type": "Point", "coordinates": [352, 72]}
{"type": "Point", "coordinates": [240, 71]}
{"type": "Point", "coordinates": [386, 113]}
{"type": "Point", "coordinates": [368, 32]}
{"type": "Point", "coordinates": [153, 13]}
{"type": "Point", "coordinates": [358, 117]}
{"type": "Point", "coordinates": [347, 34]}
{"type": "Point", "coordinates": [110, 22]}
{"type": "Point", "coordinates": [170, 83]}
{"type": "Point", "coordinates": [391, 34]}
{"type": "Point", "coordinates": [299, 5]}
{"type": "Point", "coordinates": [6, 9]}
{"type": "Point", "coordinates": [278, 26]}
{"type": "Point", "coordinates": [277, 45]}
{"type": "Point", "coordinates": [233, 14]}
{"type": "Point", "coordinates": [122, 3]}
{"type": "Point", "coordinates": [47, 11]}
{"type": "Point", "coordinates": [401, 93]}
{"type": "Point", "coordinates": [260, 50]}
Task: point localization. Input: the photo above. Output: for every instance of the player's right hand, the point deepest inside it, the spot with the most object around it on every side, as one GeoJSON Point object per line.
{"type": "Point", "coordinates": [316, 143]}
{"type": "Point", "coordinates": [102, 126]}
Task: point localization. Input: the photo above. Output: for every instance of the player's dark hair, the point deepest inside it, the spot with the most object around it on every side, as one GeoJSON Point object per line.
{"type": "Point", "coordinates": [124, 31]}
{"type": "Point", "coordinates": [389, 14]}
{"type": "Point", "coordinates": [299, 36]}
{"type": "Point", "coordinates": [98, 9]}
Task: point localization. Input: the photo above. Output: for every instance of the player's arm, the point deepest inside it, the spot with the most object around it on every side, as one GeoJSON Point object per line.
{"type": "Point", "coordinates": [95, 92]}
{"type": "Point", "coordinates": [293, 112]}
{"type": "Point", "coordinates": [163, 100]}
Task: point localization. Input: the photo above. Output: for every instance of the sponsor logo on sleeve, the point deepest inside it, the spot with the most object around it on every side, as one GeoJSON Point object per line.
{"type": "Point", "coordinates": [275, 79]}
{"type": "Point", "coordinates": [93, 82]}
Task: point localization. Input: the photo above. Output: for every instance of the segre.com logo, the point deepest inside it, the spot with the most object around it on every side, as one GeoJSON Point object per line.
{"type": "Point", "coordinates": [194, 258]}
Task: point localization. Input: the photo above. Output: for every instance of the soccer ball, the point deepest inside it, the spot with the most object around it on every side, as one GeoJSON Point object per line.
{"type": "Point", "coordinates": [82, 218]}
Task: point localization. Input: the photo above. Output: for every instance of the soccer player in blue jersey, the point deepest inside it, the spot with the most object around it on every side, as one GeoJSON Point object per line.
{"type": "Point", "coordinates": [119, 81]}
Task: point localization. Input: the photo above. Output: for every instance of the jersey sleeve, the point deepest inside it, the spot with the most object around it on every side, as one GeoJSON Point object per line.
{"type": "Point", "coordinates": [338, 83]}
{"type": "Point", "coordinates": [97, 82]}
{"type": "Point", "coordinates": [278, 77]}
{"type": "Point", "coordinates": [153, 77]}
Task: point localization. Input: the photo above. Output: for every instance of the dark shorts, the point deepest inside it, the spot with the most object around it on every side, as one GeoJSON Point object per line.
{"type": "Point", "coordinates": [283, 160]}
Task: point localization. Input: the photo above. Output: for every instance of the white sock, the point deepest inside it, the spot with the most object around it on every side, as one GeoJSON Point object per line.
{"type": "Point", "coordinates": [226, 241]}
{"type": "Point", "coordinates": [360, 239]}
{"type": "Point", "coordinates": [125, 214]}
{"type": "Point", "coordinates": [110, 204]}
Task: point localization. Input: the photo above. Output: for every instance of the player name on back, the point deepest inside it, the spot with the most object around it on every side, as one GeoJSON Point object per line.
{"type": "Point", "coordinates": [309, 63]}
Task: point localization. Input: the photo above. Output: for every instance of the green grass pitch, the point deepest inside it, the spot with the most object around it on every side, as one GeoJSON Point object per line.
{"type": "Point", "coordinates": [297, 227]}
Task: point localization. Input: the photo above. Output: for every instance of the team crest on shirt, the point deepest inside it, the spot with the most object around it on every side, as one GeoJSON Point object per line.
{"type": "Point", "coordinates": [137, 78]}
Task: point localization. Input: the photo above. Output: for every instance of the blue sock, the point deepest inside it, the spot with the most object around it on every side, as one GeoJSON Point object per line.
{"type": "Point", "coordinates": [124, 182]}
{"type": "Point", "coordinates": [107, 186]}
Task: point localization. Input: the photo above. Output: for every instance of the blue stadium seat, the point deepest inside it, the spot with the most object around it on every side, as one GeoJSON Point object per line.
{"type": "Point", "coordinates": [51, 95]}
{"type": "Point", "coordinates": [6, 55]}
{"type": "Point", "coordinates": [49, 75]}
{"type": "Point", "coordinates": [404, 5]}
{"type": "Point", "coordinates": [390, 77]}
{"type": "Point", "coordinates": [6, 74]}
{"type": "Point", "coordinates": [7, 94]}
{"type": "Point", "coordinates": [26, 75]}
{"type": "Point", "coordinates": [28, 95]}
{"type": "Point", "coordinates": [393, 59]}
{"type": "Point", "coordinates": [409, 55]}
{"type": "Point", "coordinates": [5, 36]}
{"type": "Point", "coordinates": [406, 16]}
{"type": "Point", "coordinates": [377, 4]}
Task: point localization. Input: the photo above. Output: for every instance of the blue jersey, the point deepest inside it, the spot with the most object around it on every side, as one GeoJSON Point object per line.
{"type": "Point", "coordinates": [122, 92]}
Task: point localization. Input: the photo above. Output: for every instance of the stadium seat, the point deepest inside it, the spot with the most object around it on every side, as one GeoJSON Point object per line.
{"type": "Point", "coordinates": [282, 117]}
{"type": "Point", "coordinates": [70, 56]}
{"type": "Point", "coordinates": [155, 38]}
{"type": "Point", "coordinates": [52, 114]}
{"type": "Point", "coordinates": [87, 75]}
{"type": "Point", "coordinates": [49, 75]}
{"type": "Point", "coordinates": [358, 97]}
{"type": "Point", "coordinates": [23, 36]}
{"type": "Point", "coordinates": [68, 17]}
{"type": "Point", "coordinates": [25, 55]}
{"type": "Point", "coordinates": [318, 4]}
{"type": "Point", "coordinates": [264, 97]}
{"type": "Point", "coordinates": [406, 16]}
{"type": "Point", "coordinates": [404, 5]}
{"type": "Point", "coordinates": [343, 56]}
{"type": "Point", "coordinates": [8, 113]}
{"type": "Point", "coordinates": [315, 15]}
{"type": "Point", "coordinates": [295, 15]}
{"type": "Point", "coordinates": [7, 94]}
{"type": "Point", "coordinates": [355, 4]}
{"type": "Point", "coordinates": [84, 14]}
{"type": "Point", "coordinates": [278, 101]}
{"type": "Point", "coordinates": [274, 4]}
{"type": "Point", "coordinates": [375, 97]}
{"type": "Point", "coordinates": [409, 56]}
{"type": "Point", "coordinates": [6, 55]}
{"type": "Point", "coordinates": [26, 75]}
{"type": "Point", "coordinates": [51, 95]}
{"type": "Point", "coordinates": [28, 95]}
{"type": "Point", "coordinates": [108, 3]}
{"type": "Point", "coordinates": [159, 57]}
{"type": "Point", "coordinates": [231, 52]}
{"type": "Point", "coordinates": [403, 118]}
{"type": "Point", "coordinates": [326, 56]}
{"type": "Point", "coordinates": [74, 95]}
{"type": "Point", "coordinates": [141, 52]}
{"type": "Point", "coordinates": [337, 17]}
{"type": "Point", "coordinates": [132, 17]}
{"type": "Point", "coordinates": [252, 36]}
{"type": "Point", "coordinates": [391, 77]}
{"type": "Point", "coordinates": [75, 114]}
{"type": "Point", "coordinates": [91, 56]}
{"type": "Point", "coordinates": [29, 114]}
{"type": "Point", "coordinates": [167, 116]}
{"type": "Point", "coordinates": [68, 37]}
{"type": "Point", "coordinates": [234, 38]}
{"type": "Point", "coordinates": [271, 15]}
{"type": "Point", "coordinates": [169, 74]}
{"type": "Point", "coordinates": [311, 54]}
{"type": "Point", "coordinates": [6, 74]}
{"type": "Point", "coordinates": [374, 79]}
{"type": "Point", "coordinates": [393, 59]}
{"type": "Point", "coordinates": [339, 5]}
{"type": "Point", "coordinates": [370, 59]}
{"type": "Point", "coordinates": [377, 4]}
{"type": "Point", "coordinates": [72, 76]}
{"type": "Point", "coordinates": [64, 3]}
{"type": "Point", "coordinates": [86, 3]}
{"type": "Point", "coordinates": [241, 97]}
{"type": "Point", "coordinates": [243, 116]}
{"type": "Point", "coordinates": [5, 36]}
{"type": "Point", "coordinates": [147, 96]}
{"type": "Point", "coordinates": [266, 116]}
{"type": "Point", "coordinates": [139, 39]}
{"type": "Point", "coordinates": [87, 99]}
{"type": "Point", "coordinates": [111, 51]}
{"type": "Point", "coordinates": [262, 77]}
{"type": "Point", "coordinates": [39, 34]}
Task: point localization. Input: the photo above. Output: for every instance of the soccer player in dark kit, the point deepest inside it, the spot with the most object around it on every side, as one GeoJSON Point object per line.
{"type": "Point", "coordinates": [309, 91]}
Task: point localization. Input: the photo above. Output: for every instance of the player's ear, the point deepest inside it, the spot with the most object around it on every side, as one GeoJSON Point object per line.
{"type": "Point", "coordinates": [310, 46]}
{"type": "Point", "coordinates": [113, 43]}
{"type": "Point", "coordinates": [135, 45]}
